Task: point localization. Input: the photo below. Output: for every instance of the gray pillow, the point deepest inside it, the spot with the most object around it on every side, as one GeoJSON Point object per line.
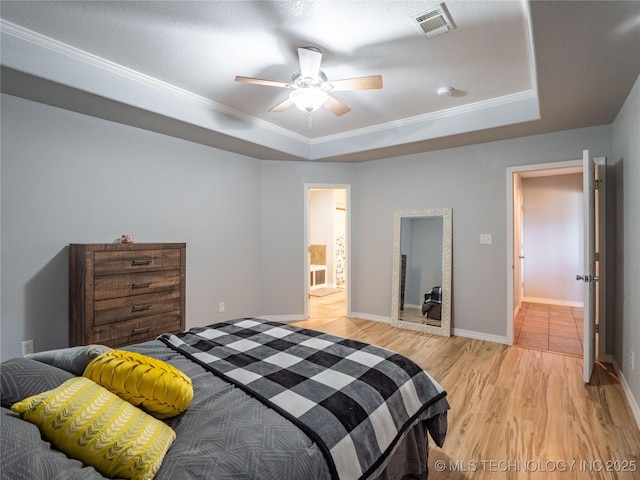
{"type": "Point", "coordinates": [73, 359]}
{"type": "Point", "coordinates": [22, 377]}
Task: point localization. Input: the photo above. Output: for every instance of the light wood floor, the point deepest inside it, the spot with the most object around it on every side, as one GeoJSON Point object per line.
{"type": "Point", "coordinates": [513, 409]}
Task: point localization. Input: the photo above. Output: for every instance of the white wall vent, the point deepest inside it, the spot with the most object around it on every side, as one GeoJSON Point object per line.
{"type": "Point", "coordinates": [434, 22]}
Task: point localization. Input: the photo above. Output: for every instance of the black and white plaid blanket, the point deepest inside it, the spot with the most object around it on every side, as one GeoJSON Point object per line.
{"type": "Point", "coordinates": [353, 399]}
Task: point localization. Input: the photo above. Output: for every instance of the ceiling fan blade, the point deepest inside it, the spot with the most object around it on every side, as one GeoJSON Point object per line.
{"type": "Point", "coordinates": [309, 62]}
{"type": "Point", "coordinates": [260, 81]}
{"type": "Point", "coordinates": [282, 105]}
{"type": "Point", "coordinates": [359, 83]}
{"type": "Point", "coordinates": [337, 107]}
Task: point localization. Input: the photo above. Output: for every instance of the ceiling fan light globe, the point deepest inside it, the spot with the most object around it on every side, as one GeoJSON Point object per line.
{"type": "Point", "coordinates": [308, 99]}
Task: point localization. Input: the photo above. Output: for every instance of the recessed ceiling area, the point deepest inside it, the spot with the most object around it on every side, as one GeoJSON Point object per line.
{"type": "Point", "coordinates": [515, 67]}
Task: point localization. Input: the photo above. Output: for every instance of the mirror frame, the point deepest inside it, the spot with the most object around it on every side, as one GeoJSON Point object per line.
{"type": "Point", "coordinates": [445, 322]}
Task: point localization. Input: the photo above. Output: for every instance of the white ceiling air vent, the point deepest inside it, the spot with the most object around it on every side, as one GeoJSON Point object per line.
{"type": "Point", "coordinates": [434, 22]}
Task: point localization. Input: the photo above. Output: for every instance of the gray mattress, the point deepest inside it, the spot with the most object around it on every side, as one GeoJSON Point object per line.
{"type": "Point", "coordinates": [225, 434]}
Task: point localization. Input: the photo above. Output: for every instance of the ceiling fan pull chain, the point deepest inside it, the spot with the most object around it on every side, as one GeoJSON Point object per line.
{"type": "Point", "coordinates": [310, 124]}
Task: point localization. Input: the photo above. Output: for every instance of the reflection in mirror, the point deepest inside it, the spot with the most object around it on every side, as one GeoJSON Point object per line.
{"type": "Point", "coordinates": [421, 270]}
{"type": "Point", "coordinates": [421, 292]}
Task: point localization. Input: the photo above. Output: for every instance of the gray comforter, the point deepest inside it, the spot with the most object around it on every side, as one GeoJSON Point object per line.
{"type": "Point", "coordinates": [225, 434]}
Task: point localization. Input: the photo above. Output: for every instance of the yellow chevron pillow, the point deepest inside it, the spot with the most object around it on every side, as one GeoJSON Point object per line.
{"type": "Point", "coordinates": [91, 424]}
{"type": "Point", "coordinates": [157, 387]}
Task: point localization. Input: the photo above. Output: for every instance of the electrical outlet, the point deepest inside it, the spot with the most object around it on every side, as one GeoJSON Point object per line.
{"type": "Point", "coordinates": [27, 347]}
{"type": "Point", "coordinates": [221, 307]}
{"type": "Point", "coordinates": [486, 239]}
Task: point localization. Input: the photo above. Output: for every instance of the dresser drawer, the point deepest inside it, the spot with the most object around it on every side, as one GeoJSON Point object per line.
{"type": "Point", "coordinates": [124, 308]}
{"type": "Point", "coordinates": [138, 283]}
{"type": "Point", "coordinates": [121, 294]}
{"type": "Point", "coordinates": [136, 260]}
{"type": "Point", "coordinates": [137, 330]}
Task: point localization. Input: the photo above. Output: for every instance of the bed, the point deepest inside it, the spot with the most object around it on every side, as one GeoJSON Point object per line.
{"type": "Point", "coordinates": [240, 425]}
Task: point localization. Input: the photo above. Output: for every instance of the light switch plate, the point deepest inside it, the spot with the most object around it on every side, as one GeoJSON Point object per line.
{"type": "Point", "coordinates": [485, 239]}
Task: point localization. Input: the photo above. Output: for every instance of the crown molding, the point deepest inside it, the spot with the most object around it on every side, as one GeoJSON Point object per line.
{"type": "Point", "coordinates": [77, 54]}
{"type": "Point", "coordinates": [431, 116]}
{"type": "Point", "coordinates": [42, 56]}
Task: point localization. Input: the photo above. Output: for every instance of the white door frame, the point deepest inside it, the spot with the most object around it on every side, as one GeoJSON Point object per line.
{"type": "Point", "coordinates": [510, 173]}
{"type": "Point", "coordinates": [333, 186]}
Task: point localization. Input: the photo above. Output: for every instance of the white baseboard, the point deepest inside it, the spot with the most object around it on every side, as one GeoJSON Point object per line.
{"type": "Point", "coordinates": [549, 301]}
{"type": "Point", "coordinates": [480, 336]}
{"type": "Point", "coordinates": [633, 404]}
{"type": "Point", "coordinates": [368, 316]}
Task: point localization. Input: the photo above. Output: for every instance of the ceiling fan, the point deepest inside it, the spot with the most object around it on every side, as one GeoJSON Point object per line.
{"type": "Point", "coordinates": [310, 85]}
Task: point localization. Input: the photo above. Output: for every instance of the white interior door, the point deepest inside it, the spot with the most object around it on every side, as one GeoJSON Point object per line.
{"type": "Point", "coordinates": [589, 275]}
{"type": "Point", "coordinates": [518, 250]}
{"type": "Point", "coordinates": [521, 244]}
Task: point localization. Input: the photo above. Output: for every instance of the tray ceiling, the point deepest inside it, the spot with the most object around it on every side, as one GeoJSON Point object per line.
{"type": "Point", "coordinates": [517, 68]}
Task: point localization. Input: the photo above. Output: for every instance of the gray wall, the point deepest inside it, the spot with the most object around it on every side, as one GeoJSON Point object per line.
{"type": "Point", "coordinates": [69, 178]}
{"type": "Point", "coordinates": [282, 245]}
{"type": "Point", "coordinates": [472, 181]}
{"type": "Point", "coordinates": [626, 168]}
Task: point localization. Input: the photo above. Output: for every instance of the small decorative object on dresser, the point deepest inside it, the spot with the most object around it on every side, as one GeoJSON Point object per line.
{"type": "Point", "coordinates": [125, 293]}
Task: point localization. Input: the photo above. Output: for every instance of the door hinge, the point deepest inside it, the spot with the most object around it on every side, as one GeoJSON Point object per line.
{"type": "Point", "coordinates": [597, 184]}
{"type": "Point", "coordinates": [597, 257]}
{"type": "Point", "coordinates": [597, 328]}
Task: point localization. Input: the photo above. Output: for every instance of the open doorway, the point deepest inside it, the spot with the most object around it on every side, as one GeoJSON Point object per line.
{"type": "Point", "coordinates": [327, 277]}
{"type": "Point", "coordinates": [593, 248]}
{"type": "Point", "coordinates": [550, 229]}
{"type": "Point", "coordinates": [545, 226]}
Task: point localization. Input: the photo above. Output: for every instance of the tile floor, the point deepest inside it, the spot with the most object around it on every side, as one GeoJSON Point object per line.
{"type": "Point", "coordinates": [549, 327]}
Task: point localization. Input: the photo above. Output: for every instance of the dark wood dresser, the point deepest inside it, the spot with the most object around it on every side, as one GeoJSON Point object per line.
{"type": "Point", "coordinates": [121, 293]}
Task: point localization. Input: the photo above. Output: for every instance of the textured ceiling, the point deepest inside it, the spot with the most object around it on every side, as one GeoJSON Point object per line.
{"type": "Point", "coordinates": [518, 68]}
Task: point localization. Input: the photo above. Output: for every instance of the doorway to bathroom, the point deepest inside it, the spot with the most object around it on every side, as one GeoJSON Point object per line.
{"type": "Point", "coordinates": [327, 279]}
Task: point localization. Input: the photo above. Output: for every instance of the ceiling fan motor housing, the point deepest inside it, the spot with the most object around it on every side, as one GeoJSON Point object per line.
{"type": "Point", "coordinates": [310, 85]}
{"type": "Point", "coordinates": [305, 82]}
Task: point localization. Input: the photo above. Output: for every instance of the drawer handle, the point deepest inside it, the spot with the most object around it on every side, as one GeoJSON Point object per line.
{"type": "Point", "coordinates": [137, 308]}
{"type": "Point", "coordinates": [140, 330]}
{"type": "Point", "coordinates": [143, 261]}
{"type": "Point", "coordinates": [140, 285]}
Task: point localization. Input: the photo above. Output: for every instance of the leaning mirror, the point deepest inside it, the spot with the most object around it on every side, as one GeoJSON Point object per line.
{"type": "Point", "coordinates": [421, 288]}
